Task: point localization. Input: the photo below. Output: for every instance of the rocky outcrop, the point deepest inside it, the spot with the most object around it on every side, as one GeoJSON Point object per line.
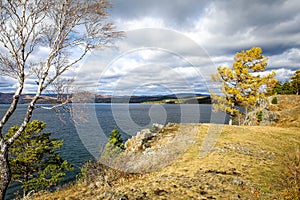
{"type": "Point", "coordinates": [154, 148]}
{"type": "Point", "coordinates": [269, 117]}
{"type": "Point", "coordinates": [139, 142]}
{"type": "Point", "coordinates": [145, 138]}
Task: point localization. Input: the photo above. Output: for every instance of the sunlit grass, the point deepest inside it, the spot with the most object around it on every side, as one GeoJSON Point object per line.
{"type": "Point", "coordinates": [246, 163]}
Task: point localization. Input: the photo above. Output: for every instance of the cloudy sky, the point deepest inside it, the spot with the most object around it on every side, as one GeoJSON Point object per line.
{"type": "Point", "coordinates": [163, 58]}
{"type": "Point", "coordinates": [172, 46]}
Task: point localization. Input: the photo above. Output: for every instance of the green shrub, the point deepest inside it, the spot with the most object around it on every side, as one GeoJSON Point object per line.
{"type": "Point", "coordinates": [34, 159]}
{"type": "Point", "coordinates": [92, 172]}
{"type": "Point", "coordinates": [115, 139]}
{"type": "Point", "coordinates": [259, 116]}
{"type": "Point", "coordinates": [113, 149]}
{"type": "Point", "coordinates": [274, 100]}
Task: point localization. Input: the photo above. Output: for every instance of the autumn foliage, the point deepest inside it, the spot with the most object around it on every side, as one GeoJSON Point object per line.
{"type": "Point", "coordinates": [243, 85]}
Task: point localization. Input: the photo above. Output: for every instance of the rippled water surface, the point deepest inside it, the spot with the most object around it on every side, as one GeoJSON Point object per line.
{"type": "Point", "coordinates": [129, 118]}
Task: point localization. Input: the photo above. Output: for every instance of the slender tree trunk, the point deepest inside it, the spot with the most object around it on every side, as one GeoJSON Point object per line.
{"type": "Point", "coordinates": [5, 174]}
{"type": "Point", "coordinates": [230, 120]}
{"type": "Point", "coordinates": [231, 114]}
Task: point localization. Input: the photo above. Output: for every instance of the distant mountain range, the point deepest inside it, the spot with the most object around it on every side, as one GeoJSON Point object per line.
{"type": "Point", "coordinates": [6, 98]}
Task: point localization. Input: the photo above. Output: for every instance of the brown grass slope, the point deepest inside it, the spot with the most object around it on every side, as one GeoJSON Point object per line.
{"type": "Point", "coordinates": [246, 163]}
{"type": "Point", "coordinates": [288, 108]}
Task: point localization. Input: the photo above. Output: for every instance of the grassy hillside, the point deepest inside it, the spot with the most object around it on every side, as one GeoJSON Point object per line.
{"type": "Point", "coordinates": [246, 163]}
{"type": "Point", "coordinates": [183, 100]}
{"type": "Point", "coordinates": [288, 107]}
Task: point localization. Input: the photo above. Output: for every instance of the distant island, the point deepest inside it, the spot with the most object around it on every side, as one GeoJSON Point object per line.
{"type": "Point", "coordinates": [183, 98]}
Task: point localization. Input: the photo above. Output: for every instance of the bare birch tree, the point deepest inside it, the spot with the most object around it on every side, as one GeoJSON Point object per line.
{"type": "Point", "coordinates": [59, 28]}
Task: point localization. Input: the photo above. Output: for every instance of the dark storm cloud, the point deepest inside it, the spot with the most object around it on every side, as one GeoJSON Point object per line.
{"type": "Point", "coordinates": [227, 26]}
{"type": "Point", "coordinates": [176, 13]}
{"type": "Point", "coordinates": [273, 25]}
{"type": "Point", "coordinates": [262, 15]}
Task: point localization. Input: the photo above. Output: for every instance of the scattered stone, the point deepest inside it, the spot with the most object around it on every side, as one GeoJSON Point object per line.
{"type": "Point", "coordinates": [99, 184]}
{"type": "Point", "coordinates": [92, 186]}
{"type": "Point", "coordinates": [237, 182]}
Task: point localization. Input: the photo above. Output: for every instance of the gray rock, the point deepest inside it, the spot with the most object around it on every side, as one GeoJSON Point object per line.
{"type": "Point", "coordinates": [269, 117]}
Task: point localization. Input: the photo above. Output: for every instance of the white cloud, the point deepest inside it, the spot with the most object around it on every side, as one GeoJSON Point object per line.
{"type": "Point", "coordinates": [284, 74]}
{"type": "Point", "coordinates": [143, 22]}
{"type": "Point", "coordinates": [145, 70]}
{"type": "Point", "coordinates": [288, 59]}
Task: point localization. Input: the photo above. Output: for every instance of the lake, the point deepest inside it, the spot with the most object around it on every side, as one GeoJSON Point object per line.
{"type": "Point", "coordinates": [92, 123]}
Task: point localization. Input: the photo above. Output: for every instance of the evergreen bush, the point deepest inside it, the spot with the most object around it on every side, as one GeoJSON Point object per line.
{"type": "Point", "coordinates": [274, 100]}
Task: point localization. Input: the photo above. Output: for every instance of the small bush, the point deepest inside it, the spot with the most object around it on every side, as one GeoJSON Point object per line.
{"type": "Point", "coordinates": [113, 149]}
{"type": "Point", "coordinates": [115, 140]}
{"type": "Point", "coordinates": [93, 172]}
{"type": "Point", "coordinates": [85, 171]}
{"type": "Point", "coordinates": [259, 116]}
{"type": "Point", "coordinates": [274, 100]}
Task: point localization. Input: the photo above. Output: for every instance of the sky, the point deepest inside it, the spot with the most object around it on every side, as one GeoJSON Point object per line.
{"type": "Point", "coordinates": [173, 46]}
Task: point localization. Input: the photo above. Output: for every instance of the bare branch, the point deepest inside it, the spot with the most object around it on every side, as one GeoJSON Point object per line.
{"type": "Point", "coordinates": [52, 107]}
{"type": "Point", "coordinates": [39, 37]}
{"type": "Point", "coordinates": [58, 26]}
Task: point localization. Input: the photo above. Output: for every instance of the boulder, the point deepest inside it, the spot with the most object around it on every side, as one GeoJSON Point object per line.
{"type": "Point", "coordinates": [269, 117]}
{"type": "Point", "coordinates": [142, 140]}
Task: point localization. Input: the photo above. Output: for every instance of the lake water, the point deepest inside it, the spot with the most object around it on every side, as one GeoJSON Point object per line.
{"type": "Point", "coordinates": [96, 121]}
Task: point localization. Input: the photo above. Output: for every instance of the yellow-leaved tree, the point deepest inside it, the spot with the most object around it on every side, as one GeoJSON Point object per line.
{"type": "Point", "coordinates": [243, 85]}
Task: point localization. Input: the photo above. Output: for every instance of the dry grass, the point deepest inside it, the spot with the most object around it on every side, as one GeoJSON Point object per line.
{"type": "Point", "coordinates": [291, 175]}
{"type": "Point", "coordinates": [288, 107]}
{"type": "Point", "coordinates": [246, 163]}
